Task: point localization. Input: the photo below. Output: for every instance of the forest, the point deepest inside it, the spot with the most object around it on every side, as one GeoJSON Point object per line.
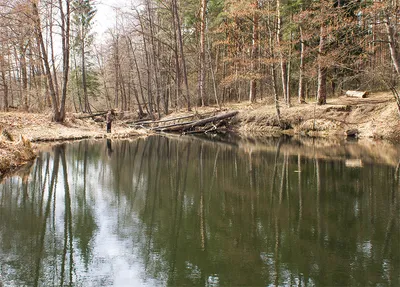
{"type": "Point", "coordinates": [311, 198]}
{"type": "Point", "coordinates": [162, 56]}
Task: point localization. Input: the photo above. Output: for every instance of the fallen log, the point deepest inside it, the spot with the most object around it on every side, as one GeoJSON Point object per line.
{"type": "Point", "coordinates": [357, 94]}
{"type": "Point", "coordinates": [172, 126]}
{"type": "Point", "coordinates": [151, 122]}
{"type": "Point", "coordinates": [184, 127]}
{"type": "Point", "coordinates": [93, 115]}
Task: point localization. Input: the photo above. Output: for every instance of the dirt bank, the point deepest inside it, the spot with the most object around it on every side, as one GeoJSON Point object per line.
{"type": "Point", "coordinates": [36, 129]}
{"type": "Point", "coordinates": [374, 117]}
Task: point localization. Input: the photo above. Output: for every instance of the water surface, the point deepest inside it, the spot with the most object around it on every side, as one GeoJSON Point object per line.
{"type": "Point", "coordinates": [186, 211]}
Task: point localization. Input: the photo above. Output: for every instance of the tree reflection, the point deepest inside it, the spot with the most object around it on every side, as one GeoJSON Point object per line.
{"type": "Point", "coordinates": [235, 221]}
{"type": "Point", "coordinates": [191, 212]}
{"type": "Point", "coordinates": [41, 233]}
{"type": "Point", "coordinates": [44, 218]}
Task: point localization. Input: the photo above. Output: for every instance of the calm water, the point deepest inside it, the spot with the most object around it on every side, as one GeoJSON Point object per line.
{"type": "Point", "coordinates": [183, 211]}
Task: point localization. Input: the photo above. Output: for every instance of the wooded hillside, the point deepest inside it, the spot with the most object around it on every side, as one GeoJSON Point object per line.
{"type": "Point", "coordinates": [168, 55]}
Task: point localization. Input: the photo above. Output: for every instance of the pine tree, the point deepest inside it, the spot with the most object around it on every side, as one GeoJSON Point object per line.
{"type": "Point", "coordinates": [84, 12]}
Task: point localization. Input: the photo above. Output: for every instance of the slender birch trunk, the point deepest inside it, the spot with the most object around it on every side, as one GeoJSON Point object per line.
{"type": "Point", "coordinates": [321, 89]}
{"type": "Point", "coordinates": [180, 41]}
{"type": "Point", "coordinates": [301, 94]}
{"type": "Point", "coordinates": [202, 61]}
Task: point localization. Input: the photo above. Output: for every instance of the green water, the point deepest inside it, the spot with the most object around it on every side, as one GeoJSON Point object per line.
{"type": "Point", "coordinates": [184, 211]}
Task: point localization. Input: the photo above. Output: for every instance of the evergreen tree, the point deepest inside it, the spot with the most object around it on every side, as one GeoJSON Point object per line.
{"type": "Point", "coordinates": [84, 12]}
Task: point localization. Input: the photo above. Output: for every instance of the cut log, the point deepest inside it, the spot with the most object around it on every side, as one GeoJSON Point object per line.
{"type": "Point", "coordinates": [357, 94]}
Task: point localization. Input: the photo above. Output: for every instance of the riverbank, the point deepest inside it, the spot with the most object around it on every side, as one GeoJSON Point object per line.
{"type": "Point", "coordinates": [374, 117]}
{"type": "Point", "coordinates": [21, 134]}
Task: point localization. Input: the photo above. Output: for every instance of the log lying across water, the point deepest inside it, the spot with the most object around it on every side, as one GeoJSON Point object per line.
{"type": "Point", "coordinates": [190, 127]}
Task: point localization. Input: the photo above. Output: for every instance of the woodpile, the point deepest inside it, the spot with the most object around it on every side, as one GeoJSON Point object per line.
{"type": "Point", "coordinates": [191, 124]}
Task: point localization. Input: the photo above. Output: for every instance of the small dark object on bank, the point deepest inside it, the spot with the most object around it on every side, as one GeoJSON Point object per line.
{"type": "Point", "coordinates": [6, 135]}
{"type": "Point", "coordinates": [352, 133]}
{"type": "Point", "coordinates": [109, 119]}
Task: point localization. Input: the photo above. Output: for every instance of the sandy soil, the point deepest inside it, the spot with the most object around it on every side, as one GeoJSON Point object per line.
{"type": "Point", "coordinates": [374, 117]}
{"type": "Point", "coordinates": [39, 128]}
{"type": "Point", "coordinates": [28, 131]}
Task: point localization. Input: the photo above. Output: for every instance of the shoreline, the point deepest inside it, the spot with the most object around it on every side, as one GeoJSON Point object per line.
{"type": "Point", "coordinates": [368, 120]}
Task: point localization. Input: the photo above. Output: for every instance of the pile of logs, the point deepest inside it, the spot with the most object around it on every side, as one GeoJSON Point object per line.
{"type": "Point", "coordinates": [192, 124]}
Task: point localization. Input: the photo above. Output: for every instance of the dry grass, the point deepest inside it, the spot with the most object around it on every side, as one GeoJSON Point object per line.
{"type": "Point", "coordinates": [14, 154]}
{"type": "Point", "coordinates": [374, 117]}
{"type": "Point", "coordinates": [38, 128]}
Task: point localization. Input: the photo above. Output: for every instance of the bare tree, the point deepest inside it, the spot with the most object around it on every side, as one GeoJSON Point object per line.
{"type": "Point", "coordinates": [321, 89]}
{"type": "Point", "coordinates": [202, 71]}
{"type": "Point", "coordinates": [64, 7]}
{"type": "Point", "coordinates": [182, 54]}
{"type": "Point", "coordinates": [254, 52]}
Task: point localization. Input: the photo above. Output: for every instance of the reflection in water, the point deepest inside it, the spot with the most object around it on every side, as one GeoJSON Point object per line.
{"type": "Point", "coordinates": [164, 211]}
{"type": "Point", "coordinates": [109, 148]}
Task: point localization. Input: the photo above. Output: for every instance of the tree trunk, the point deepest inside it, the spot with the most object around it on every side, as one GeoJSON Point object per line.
{"type": "Point", "coordinates": [272, 67]}
{"type": "Point", "coordinates": [148, 70]}
{"type": "Point", "coordinates": [321, 90]}
{"type": "Point", "coordinates": [202, 51]}
{"type": "Point", "coordinates": [122, 87]}
{"type": "Point", "coordinates": [84, 82]}
{"type": "Point", "coordinates": [78, 90]}
{"type": "Point", "coordinates": [156, 67]}
{"type": "Point", "coordinates": [254, 54]}
{"type": "Point", "coordinates": [47, 97]}
{"type": "Point", "coordinates": [213, 77]}
{"type": "Point", "coordinates": [5, 87]}
{"type": "Point", "coordinates": [38, 30]}
{"type": "Point", "coordinates": [116, 72]}
{"type": "Point", "coordinates": [24, 77]}
{"type": "Point", "coordinates": [179, 33]}
{"type": "Point", "coordinates": [301, 94]}
{"type": "Point", "coordinates": [103, 76]}
{"type": "Point", "coordinates": [177, 64]}
{"type": "Point", "coordinates": [65, 37]}
{"type": "Point", "coordinates": [281, 55]}
{"type": "Point", "coordinates": [135, 91]}
{"type": "Point", "coordinates": [140, 83]}
{"type": "Point", "coordinates": [55, 80]}
{"type": "Point", "coordinates": [393, 45]}
{"type": "Point", "coordinates": [288, 71]}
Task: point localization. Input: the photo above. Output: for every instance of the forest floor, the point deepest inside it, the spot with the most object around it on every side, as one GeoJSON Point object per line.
{"type": "Point", "coordinates": [373, 117]}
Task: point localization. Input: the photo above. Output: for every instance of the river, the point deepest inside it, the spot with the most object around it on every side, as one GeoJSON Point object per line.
{"type": "Point", "coordinates": [186, 211]}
